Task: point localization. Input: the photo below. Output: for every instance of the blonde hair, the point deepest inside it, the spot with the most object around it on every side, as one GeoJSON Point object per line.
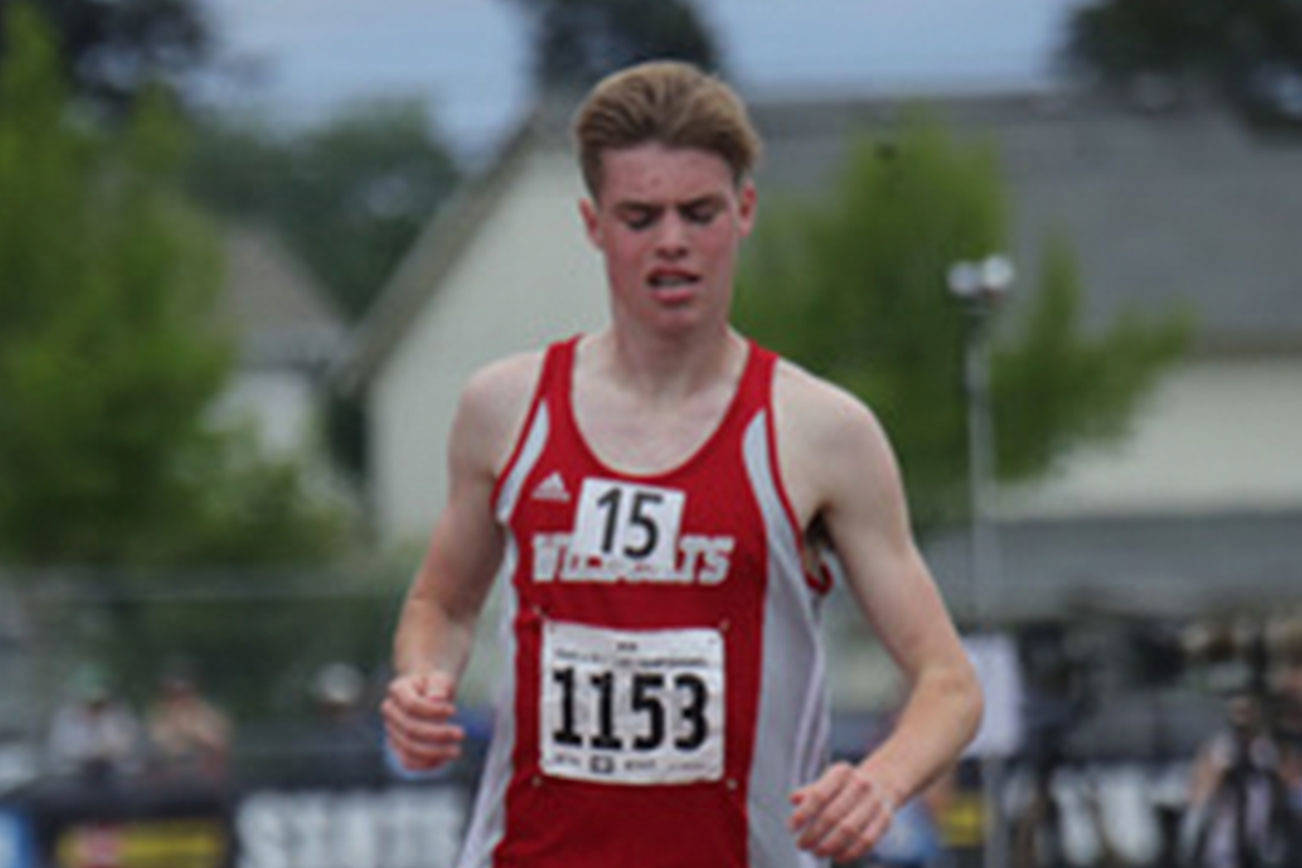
{"type": "Point", "coordinates": [669, 102]}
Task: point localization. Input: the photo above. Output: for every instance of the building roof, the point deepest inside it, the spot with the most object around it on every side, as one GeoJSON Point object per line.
{"type": "Point", "coordinates": [433, 254]}
{"type": "Point", "coordinates": [1185, 207]}
{"type": "Point", "coordinates": [279, 312]}
{"type": "Point", "coordinates": [1165, 209]}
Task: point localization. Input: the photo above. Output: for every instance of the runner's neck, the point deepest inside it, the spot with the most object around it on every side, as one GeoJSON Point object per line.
{"type": "Point", "coordinates": [664, 371]}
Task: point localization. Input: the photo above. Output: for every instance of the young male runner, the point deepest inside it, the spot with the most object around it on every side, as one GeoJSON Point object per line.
{"type": "Point", "coordinates": [651, 489]}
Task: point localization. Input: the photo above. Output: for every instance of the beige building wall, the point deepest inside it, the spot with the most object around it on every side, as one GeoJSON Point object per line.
{"type": "Point", "coordinates": [528, 276]}
{"type": "Point", "coordinates": [1216, 435]}
{"type": "Point", "coordinates": [280, 405]}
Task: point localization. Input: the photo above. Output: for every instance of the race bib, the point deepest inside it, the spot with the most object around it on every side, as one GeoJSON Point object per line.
{"type": "Point", "coordinates": [631, 706]}
{"type": "Point", "coordinates": [628, 521]}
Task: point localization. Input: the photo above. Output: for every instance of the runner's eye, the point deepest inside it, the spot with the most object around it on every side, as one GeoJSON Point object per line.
{"type": "Point", "coordinates": [639, 218]}
{"type": "Point", "coordinates": [700, 212]}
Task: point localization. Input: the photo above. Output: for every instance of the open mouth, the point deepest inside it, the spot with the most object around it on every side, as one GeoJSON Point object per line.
{"type": "Point", "coordinates": [672, 279]}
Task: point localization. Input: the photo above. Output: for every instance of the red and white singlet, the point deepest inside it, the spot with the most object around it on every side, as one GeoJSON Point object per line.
{"type": "Point", "coordinates": [665, 692]}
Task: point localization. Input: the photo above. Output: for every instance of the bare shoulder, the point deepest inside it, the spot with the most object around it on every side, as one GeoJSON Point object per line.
{"type": "Point", "coordinates": [830, 444]}
{"type": "Point", "coordinates": [493, 407]}
{"type": "Point", "coordinates": [502, 385]}
{"type": "Point", "coordinates": [821, 414]}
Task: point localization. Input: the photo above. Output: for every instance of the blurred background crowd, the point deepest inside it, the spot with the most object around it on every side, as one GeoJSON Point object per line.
{"type": "Point", "coordinates": [249, 253]}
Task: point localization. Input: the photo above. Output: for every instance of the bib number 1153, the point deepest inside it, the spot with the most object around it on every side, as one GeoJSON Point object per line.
{"type": "Point", "coordinates": [633, 707]}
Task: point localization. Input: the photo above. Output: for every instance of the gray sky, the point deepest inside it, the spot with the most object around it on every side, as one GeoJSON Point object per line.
{"type": "Point", "coordinates": [469, 58]}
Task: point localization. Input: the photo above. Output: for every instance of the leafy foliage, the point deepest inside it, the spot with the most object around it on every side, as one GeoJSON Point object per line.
{"type": "Point", "coordinates": [1054, 388]}
{"type": "Point", "coordinates": [109, 353]}
{"type": "Point", "coordinates": [1236, 45]}
{"type": "Point", "coordinates": [349, 197]}
{"type": "Point", "coordinates": [578, 42]}
{"type": "Point", "coordinates": [113, 52]}
{"type": "Point", "coordinates": [106, 274]}
{"type": "Point", "coordinates": [853, 287]}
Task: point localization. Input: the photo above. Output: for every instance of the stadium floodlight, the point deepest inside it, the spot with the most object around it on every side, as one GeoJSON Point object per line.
{"type": "Point", "coordinates": [981, 286]}
{"type": "Point", "coordinates": [987, 280]}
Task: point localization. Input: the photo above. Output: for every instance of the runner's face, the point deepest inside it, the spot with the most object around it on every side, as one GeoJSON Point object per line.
{"type": "Point", "coordinates": [668, 222]}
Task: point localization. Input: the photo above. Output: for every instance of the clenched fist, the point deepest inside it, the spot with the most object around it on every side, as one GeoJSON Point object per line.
{"type": "Point", "coordinates": [418, 711]}
{"type": "Point", "coordinates": [842, 814]}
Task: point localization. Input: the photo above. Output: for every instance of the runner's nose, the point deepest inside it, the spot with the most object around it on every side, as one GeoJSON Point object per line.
{"type": "Point", "coordinates": [672, 240]}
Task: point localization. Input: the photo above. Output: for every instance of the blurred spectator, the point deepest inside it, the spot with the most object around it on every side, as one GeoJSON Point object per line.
{"type": "Point", "coordinates": [1246, 788]}
{"type": "Point", "coordinates": [337, 690]}
{"type": "Point", "coordinates": [18, 760]}
{"type": "Point", "coordinates": [1287, 688]}
{"type": "Point", "coordinates": [1236, 802]}
{"type": "Point", "coordinates": [189, 738]}
{"type": "Point", "coordinates": [346, 735]}
{"type": "Point", "coordinates": [94, 734]}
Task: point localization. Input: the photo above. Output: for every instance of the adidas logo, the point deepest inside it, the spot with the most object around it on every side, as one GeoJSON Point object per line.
{"type": "Point", "coordinates": [552, 488]}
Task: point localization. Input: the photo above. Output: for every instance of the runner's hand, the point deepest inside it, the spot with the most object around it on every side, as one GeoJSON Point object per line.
{"type": "Point", "coordinates": [418, 711]}
{"type": "Point", "coordinates": [842, 814]}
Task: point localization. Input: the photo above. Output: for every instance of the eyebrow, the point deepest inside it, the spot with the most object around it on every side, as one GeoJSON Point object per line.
{"type": "Point", "coordinates": [713, 200]}
{"type": "Point", "coordinates": [627, 205]}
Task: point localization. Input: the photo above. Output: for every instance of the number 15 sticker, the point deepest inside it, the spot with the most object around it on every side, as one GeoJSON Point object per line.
{"type": "Point", "coordinates": [628, 521]}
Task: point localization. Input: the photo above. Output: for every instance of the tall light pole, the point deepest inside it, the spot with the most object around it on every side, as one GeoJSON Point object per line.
{"type": "Point", "coordinates": [982, 286]}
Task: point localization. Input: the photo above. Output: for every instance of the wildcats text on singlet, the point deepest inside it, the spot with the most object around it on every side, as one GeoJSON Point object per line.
{"type": "Point", "coordinates": [700, 559]}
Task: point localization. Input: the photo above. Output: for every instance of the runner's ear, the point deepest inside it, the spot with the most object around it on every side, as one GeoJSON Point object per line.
{"type": "Point", "coordinates": [591, 225]}
{"type": "Point", "coordinates": [747, 199]}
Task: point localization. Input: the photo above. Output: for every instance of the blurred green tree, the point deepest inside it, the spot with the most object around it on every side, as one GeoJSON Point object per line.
{"type": "Point", "coordinates": [112, 52]}
{"type": "Point", "coordinates": [1241, 49]}
{"type": "Point", "coordinates": [576, 42]}
{"type": "Point", "coordinates": [349, 196]}
{"type": "Point", "coordinates": [853, 287]}
{"type": "Point", "coordinates": [109, 353]}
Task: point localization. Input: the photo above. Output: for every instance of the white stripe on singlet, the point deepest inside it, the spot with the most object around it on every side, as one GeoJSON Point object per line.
{"type": "Point", "coordinates": [488, 822]}
{"type": "Point", "coordinates": [534, 441]}
{"type": "Point", "coordinates": [793, 721]}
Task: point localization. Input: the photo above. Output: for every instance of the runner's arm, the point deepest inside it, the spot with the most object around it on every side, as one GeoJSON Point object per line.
{"type": "Point", "coordinates": [442, 606]}
{"type": "Point", "coordinates": [868, 520]}
{"type": "Point", "coordinates": [841, 468]}
{"type": "Point", "coordinates": [437, 625]}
